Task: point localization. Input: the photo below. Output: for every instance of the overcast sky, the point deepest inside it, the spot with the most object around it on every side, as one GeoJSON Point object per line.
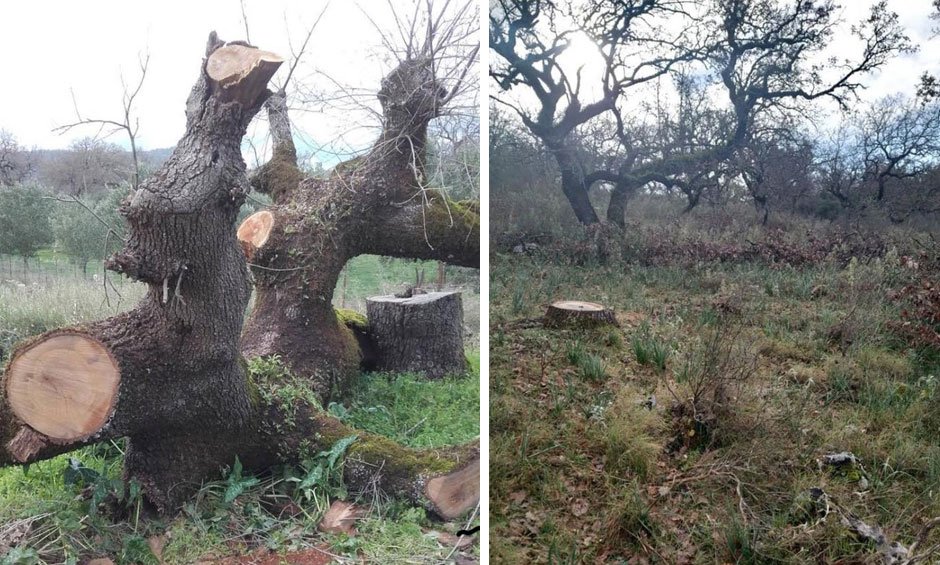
{"type": "Point", "coordinates": [54, 48]}
{"type": "Point", "coordinates": [903, 73]}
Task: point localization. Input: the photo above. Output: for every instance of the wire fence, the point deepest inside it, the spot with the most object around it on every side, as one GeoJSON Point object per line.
{"type": "Point", "coordinates": [53, 268]}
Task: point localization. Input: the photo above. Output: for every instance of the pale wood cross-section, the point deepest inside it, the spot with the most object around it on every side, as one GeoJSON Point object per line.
{"type": "Point", "coordinates": [63, 386]}
{"type": "Point", "coordinates": [455, 493]}
{"type": "Point", "coordinates": [567, 313]}
{"type": "Point", "coordinates": [254, 231]}
{"type": "Point", "coordinates": [243, 72]}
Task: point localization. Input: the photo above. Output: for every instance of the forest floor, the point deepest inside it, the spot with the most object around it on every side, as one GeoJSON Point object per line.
{"type": "Point", "coordinates": [694, 431]}
{"type": "Point", "coordinates": [75, 509]}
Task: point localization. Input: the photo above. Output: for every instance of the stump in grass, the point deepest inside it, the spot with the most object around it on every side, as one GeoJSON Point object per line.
{"type": "Point", "coordinates": [574, 313]}
{"type": "Point", "coordinates": [420, 334]}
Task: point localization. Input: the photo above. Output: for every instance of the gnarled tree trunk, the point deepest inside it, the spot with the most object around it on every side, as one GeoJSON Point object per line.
{"type": "Point", "coordinates": [573, 185]}
{"type": "Point", "coordinates": [374, 204]}
{"type": "Point", "coordinates": [168, 374]}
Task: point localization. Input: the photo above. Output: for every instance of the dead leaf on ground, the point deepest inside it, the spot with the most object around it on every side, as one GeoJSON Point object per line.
{"type": "Point", "coordinates": [450, 540]}
{"type": "Point", "coordinates": [157, 543]}
{"type": "Point", "coordinates": [579, 507]}
{"type": "Point", "coordinates": [13, 533]}
{"type": "Point", "coordinates": [340, 518]}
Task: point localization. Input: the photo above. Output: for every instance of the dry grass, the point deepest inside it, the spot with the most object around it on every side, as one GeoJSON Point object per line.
{"type": "Point", "coordinates": [582, 470]}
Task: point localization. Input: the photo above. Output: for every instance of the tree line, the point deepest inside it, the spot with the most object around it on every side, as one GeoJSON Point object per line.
{"type": "Point", "coordinates": [69, 199]}
{"type": "Point", "coordinates": [709, 102]}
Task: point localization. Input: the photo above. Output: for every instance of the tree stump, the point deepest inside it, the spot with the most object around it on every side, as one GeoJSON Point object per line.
{"type": "Point", "coordinates": [574, 313]}
{"type": "Point", "coordinates": [420, 334]}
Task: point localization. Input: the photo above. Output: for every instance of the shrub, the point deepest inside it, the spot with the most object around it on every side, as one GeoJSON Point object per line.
{"type": "Point", "coordinates": [713, 376]}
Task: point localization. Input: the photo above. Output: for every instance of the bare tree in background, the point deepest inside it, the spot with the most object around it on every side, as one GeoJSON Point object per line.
{"type": "Point", "coordinates": [15, 163]}
{"type": "Point", "coordinates": [128, 123]}
{"type": "Point", "coordinates": [900, 139]}
{"type": "Point", "coordinates": [89, 165]}
{"type": "Point", "coordinates": [777, 169]}
{"type": "Point", "coordinates": [754, 54]}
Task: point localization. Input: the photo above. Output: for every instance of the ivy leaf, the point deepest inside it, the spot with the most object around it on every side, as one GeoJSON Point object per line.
{"type": "Point", "coordinates": [235, 490]}
{"type": "Point", "coordinates": [76, 473]}
{"type": "Point", "coordinates": [236, 484]}
{"type": "Point", "coordinates": [338, 449]}
{"type": "Point", "coordinates": [314, 476]}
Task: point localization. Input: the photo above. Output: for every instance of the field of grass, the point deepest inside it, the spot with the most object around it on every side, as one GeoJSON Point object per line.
{"type": "Point", "coordinates": [75, 507]}
{"type": "Point", "coordinates": [693, 432]}
{"type": "Point", "coordinates": [51, 292]}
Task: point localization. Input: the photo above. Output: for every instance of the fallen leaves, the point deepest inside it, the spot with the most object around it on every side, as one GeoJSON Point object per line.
{"type": "Point", "coordinates": [579, 507]}
{"type": "Point", "coordinates": [450, 540]}
{"type": "Point", "coordinates": [12, 533]}
{"type": "Point", "coordinates": [340, 518]}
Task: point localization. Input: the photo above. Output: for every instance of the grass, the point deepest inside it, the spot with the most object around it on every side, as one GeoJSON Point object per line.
{"type": "Point", "coordinates": [721, 390]}
{"type": "Point", "coordinates": [63, 522]}
{"type": "Point", "coordinates": [53, 292]}
{"type": "Point", "coordinates": [399, 406]}
{"type": "Point", "coordinates": [68, 524]}
{"type": "Point", "coordinates": [650, 351]}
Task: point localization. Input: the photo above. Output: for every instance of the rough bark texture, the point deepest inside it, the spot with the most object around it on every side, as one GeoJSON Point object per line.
{"type": "Point", "coordinates": [374, 204]}
{"type": "Point", "coordinates": [572, 313]}
{"type": "Point", "coordinates": [573, 185]}
{"type": "Point", "coordinates": [420, 334]}
{"type": "Point", "coordinates": [183, 397]}
{"type": "Point", "coordinates": [181, 377]}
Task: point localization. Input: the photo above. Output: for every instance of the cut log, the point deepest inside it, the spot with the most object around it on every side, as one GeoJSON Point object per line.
{"type": "Point", "coordinates": [254, 232]}
{"type": "Point", "coordinates": [454, 494]}
{"type": "Point", "coordinates": [64, 385]}
{"type": "Point", "coordinates": [574, 313]}
{"type": "Point", "coordinates": [420, 334]}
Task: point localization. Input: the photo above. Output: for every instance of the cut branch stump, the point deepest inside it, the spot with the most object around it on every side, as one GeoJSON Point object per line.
{"type": "Point", "coordinates": [419, 334]}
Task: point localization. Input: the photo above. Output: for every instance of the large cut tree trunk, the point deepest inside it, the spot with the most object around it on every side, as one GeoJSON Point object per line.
{"type": "Point", "coordinates": [375, 204]}
{"type": "Point", "coordinates": [168, 374]}
{"type": "Point", "coordinates": [419, 334]}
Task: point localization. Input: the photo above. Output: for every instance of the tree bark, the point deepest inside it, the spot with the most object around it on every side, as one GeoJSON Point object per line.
{"type": "Point", "coordinates": [377, 203]}
{"type": "Point", "coordinates": [573, 186]}
{"type": "Point", "coordinates": [619, 196]}
{"type": "Point", "coordinates": [168, 374]}
{"type": "Point", "coordinates": [419, 334]}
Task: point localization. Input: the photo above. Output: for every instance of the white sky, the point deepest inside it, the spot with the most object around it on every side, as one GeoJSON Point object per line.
{"type": "Point", "coordinates": [902, 74]}
{"type": "Point", "coordinates": [56, 47]}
